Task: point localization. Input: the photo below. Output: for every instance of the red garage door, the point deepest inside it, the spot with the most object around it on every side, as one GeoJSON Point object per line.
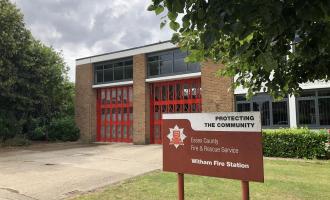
{"type": "Point", "coordinates": [182, 96]}
{"type": "Point", "coordinates": [115, 114]}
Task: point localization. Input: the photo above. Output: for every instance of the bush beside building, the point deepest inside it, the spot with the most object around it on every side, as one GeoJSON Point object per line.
{"type": "Point", "coordinates": [296, 143]}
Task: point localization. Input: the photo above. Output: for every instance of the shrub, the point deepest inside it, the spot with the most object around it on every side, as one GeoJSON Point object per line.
{"type": "Point", "coordinates": [18, 140]}
{"type": "Point", "coordinates": [63, 129]}
{"type": "Point", "coordinates": [295, 143]}
{"type": "Point", "coordinates": [39, 133]}
{"type": "Point", "coordinates": [9, 126]}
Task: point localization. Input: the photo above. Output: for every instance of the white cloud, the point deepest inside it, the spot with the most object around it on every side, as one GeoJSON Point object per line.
{"type": "Point", "coordinates": [81, 28]}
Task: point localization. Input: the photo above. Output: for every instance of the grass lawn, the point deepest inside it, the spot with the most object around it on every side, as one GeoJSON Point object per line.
{"type": "Point", "coordinates": [284, 179]}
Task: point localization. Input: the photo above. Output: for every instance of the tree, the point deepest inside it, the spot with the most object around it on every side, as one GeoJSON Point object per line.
{"type": "Point", "coordinates": [34, 86]}
{"type": "Point", "coordinates": [272, 43]}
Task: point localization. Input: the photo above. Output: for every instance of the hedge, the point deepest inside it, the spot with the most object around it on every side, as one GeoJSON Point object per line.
{"type": "Point", "coordinates": [296, 143]}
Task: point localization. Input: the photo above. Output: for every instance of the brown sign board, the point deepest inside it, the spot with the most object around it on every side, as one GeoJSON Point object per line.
{"type": "Point", "coordinates": [226, 145]}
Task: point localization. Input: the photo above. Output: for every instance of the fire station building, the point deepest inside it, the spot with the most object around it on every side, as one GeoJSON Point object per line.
{"type": "Point", "coordinates": [121, 96]}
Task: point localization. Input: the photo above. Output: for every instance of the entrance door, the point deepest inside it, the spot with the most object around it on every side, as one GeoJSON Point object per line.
{"type": "Point", "coordinates": [181, 96]}
{"type": "Point", "coordinates": [115, 114]}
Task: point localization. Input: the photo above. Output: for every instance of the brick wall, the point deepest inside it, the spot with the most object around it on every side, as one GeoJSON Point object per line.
{"type": "Point", "coordinates": [216, 93]}
{"type": "Point", "coordinates": [141, 101]}
{"type": "Point", "coordinates": [85, 103]}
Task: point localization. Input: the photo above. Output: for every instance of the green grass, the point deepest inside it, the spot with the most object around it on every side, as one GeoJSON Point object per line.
{"type": "Point", "coordinates": [284, 179]}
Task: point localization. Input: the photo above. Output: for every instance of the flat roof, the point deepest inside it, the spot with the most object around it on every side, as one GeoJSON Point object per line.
{"type": "Point", "coordinates": [154, 47]}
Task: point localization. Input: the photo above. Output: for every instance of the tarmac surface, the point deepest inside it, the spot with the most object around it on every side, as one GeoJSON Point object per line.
{"type": "Point", "coordinates": [64, 170]}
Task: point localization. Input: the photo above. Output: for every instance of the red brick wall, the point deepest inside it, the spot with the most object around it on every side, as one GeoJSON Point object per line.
{"type": "Point", "coordinates": [141, 101]}
{"type": "Point", "coordinates": [216, 93]}
{"type": "Point", "coordinates": [85, 103]}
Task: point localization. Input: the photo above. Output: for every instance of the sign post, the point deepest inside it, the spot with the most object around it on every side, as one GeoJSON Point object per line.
{"type": "Point", "coordinates": [245, 190]}
{"type": "Point", "coordinates": [225, 145]}
{"type": "Point", "coordinates": [180, 186]}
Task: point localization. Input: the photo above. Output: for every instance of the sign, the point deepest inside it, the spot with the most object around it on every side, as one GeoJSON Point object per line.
{"type": "Point", "coordinates": [226, 145]}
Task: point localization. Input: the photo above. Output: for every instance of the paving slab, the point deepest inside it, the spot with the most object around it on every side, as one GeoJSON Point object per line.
{"type": "Point", "coordinates": [46, 172]}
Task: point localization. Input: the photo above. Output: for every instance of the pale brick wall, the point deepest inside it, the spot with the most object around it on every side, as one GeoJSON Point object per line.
{"type": "Point", "coordinates": [216, 93]}
{"type": "Point", "coordinates": [141, 101]}
{"type": "Point", "coordinates": [85, 103]}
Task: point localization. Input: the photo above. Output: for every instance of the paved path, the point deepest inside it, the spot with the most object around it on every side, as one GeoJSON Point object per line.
{"type": "Point", "coordinates": [58, 171]}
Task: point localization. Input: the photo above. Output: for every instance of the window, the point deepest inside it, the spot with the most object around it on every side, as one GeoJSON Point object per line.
{"type": "Point", "coordinates": [313, 108]}
{"type": "Point", "coordinates": [273, 113]}
{"type": "Point", "coordinates": [117, 70]}
{"type": "Point", "coordinates": [170, 63]}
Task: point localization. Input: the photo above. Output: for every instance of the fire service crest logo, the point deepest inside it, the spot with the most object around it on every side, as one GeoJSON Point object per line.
{"type": "Point", "coordinates": [176, 136]}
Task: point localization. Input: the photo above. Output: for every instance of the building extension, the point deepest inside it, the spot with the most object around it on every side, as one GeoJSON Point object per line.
{"type": "Point", "coordinates": [121, 96]}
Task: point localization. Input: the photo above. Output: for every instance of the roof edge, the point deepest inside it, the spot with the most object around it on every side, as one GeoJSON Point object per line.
{"type": "Point", "coordinates": [113, 52]}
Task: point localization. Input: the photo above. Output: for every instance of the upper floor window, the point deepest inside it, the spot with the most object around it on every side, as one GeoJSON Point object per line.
{"type": "Point", "coordinates": [112, 71]}
{"type": "Point", "coordinates": [313, 108]}
{"type": "Point", "coordinates": [170, 63]}
{"type": "Point", "coordinates": [273, 113]}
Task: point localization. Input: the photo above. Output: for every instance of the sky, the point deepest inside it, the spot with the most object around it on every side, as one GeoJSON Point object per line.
{"type": "Point", "coordinates": [80, 28]}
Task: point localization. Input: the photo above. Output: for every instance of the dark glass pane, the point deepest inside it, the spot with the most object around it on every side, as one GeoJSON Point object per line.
{"type": "Point", "coordinates": [166, 67]}
{"type": "Point", "coordinates": [118, 73]}
{"type": "Point", "coordinates": [153, 58]}
{"type": "Point", "coordinates": [324, 109]}
{"type": "Point", "coordinates": [180, 54]}
{"type": "Point", "coordinates": [103, 115]}
{"type": "Point", "coordinates": [166, 56]}
{"type": "Point", "coordinates": [156, 113]}
{"type": "Point", "coordinates": [113, 95]}
{"type": "Point", "coordinates": [108, 115]}
{"type": "Point", "coordinates": [194, 67]}
{"type": "Point", "coordinates": [99, 67]}
{"type": "Point", "coordinates": [99, 76]}
{"type": "Point", "coordinates": [129, 62]}
{"type": "Point", "coordinates": [153, 68]}
{"type": "Point", "coordinates": [280, 113]}
{"type": "Point", "coordinates": [108, 132]}
{"type": "Point", "coordinates": [119, 131]}
{"type": "Point", "coordinates": [124, 95]}
{"type": "Point", "coordinates": [306, 110]}
{"type": "Point", "coordinates": [178, 91]}
{"type": "Point", "coordinates": [263, 107]}
{"type": "Point", "coordinates": [180, 65]}
{"type": "Point", "coordinates": [243, 107]}
{"type": "Point", "coordinates": [108, 75]}
{"type": "Point", "coordinates": [108, 66]}
{"type": "Point", "coordinates": [164, 92]}
{"type": "Point", "coordinates": [113, 131]}
{"type": "Point", "coordinates": [171, 92]}
{"type": "Point", "coordinates": [108, 96]}
{"type": "Point", "coordinates": [307, 94]}
{"type": "Point", "coordinates": [240, 98]}
{"type": "Point", "coordinates": [119, 95]}
{"type": "Point", "coordinates": [324, 93]}
{"type": "Point", "coordinates": [125, 114]}
{"type": "Point", "coordinates": [113, 114]}
{"type": "Point", "coordinates": [157, 93]}
{"type": "Point", "coordinates": [118, 64]}
{"type": "Point", "coordinates": [129, 72]}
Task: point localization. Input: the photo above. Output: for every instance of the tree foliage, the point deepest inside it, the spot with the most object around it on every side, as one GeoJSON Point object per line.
{"type": "Point", "coordinates": [272, 43]}
{"type": "Point", "coordinates": [34, 87]}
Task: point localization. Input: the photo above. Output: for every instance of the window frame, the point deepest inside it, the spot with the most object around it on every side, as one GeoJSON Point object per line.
{"type": "Point", "coordinates": [315, 98]}
{"type": "Point", "coordinates": [113, 63]}
{"type": "Point", "coordinates": [172, 59]}
{"type": "Point", "coordinates": [262, 97]}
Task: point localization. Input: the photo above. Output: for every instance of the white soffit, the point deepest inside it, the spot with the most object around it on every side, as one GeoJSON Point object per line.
{"type": "Point", "coordinates": [126, 53]}
{"type": "Point", "coordinates": [304, 86]}
{"type": "Point", "coordinates": [113, 84]}
{"type": "Point", "coordinates": [174, 77]}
